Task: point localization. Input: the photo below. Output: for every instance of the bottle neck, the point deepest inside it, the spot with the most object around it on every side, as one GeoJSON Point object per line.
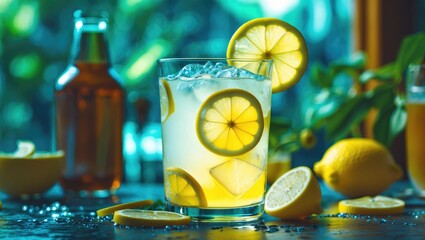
{"type": "Point", "coordinates": [90, 44]}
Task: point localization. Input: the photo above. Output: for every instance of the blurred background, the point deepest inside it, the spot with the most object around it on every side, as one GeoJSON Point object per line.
{"type": "Point", "coordinates": [36, 36]}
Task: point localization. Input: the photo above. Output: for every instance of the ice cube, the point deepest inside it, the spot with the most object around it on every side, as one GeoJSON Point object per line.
{"type": "Point", "coordinates": [236, 175]}
{"type": "Point", "coordinates": [209, 70]}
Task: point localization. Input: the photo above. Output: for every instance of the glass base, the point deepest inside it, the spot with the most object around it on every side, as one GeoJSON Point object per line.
{"type": "Point", "coordinates": [236, 214]}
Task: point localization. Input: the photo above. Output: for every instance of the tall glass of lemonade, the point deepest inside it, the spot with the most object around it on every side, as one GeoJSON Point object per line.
{"type": "Point", "coordinates": [215, 116]}
{"type": "Point", "coordinates": [415, 129]}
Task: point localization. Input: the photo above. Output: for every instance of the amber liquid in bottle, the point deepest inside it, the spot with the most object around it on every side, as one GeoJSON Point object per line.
{"type": "Point", "coordinates": [89, 102]}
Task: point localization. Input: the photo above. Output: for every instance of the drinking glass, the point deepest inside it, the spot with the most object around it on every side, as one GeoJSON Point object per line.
{"type": "Point", "coordinates": [415, 129]}
{"type": "Point", "coordinates": [215, 116]}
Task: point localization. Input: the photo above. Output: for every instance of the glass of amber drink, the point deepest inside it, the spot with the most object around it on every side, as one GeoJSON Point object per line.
{"type": "Point", "coordinates": [215, 116]}
{"type": "Point", "coordinates": [415, 129]}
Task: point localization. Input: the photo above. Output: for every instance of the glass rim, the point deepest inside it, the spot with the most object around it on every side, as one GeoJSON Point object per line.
{"type": "Point", "coordinates": [164, 60]}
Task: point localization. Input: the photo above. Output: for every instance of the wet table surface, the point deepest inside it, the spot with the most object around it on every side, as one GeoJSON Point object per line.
{"type": "Point", "coordinates": [55, 216]}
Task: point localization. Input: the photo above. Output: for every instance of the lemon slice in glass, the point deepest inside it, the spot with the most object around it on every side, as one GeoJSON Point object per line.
{"type": "Point", "coordinates": [183, 189]}
{"type": "Point", "coordinates": [166, 100]}
{"type": "Point", "coordinates": [149, 218]}
{"type": "Point", "coordinates": [271, 38]}
{"type": "Point", "coordinates": [230, 122]}
{"type": "Point", "coordinates": [110, 210]}
{"type": "Point", "coordinates": [379, 205]}
{"type": "Point", "coordinates": [294, 195]}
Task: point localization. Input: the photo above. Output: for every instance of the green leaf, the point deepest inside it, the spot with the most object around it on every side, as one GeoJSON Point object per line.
{"type": "Point", "coordinates": [349, 114]}
{"type": "Point", "coordinates": [412, 51]}
{"type": "Point", "coordinates": [355, 62]}
{"type": "Point", "coordinates": [381, 125]}
{"type": "Point", "coordinates": [324, 105]}
{"type": "Point", "coordinates": [319, 76]}
{"type": "Point", "coordinates": [382, 95]}
{"type": "Point", "coordinates": [389, 122]}
{"type": "Point", "coordinates": [397, 122]}
{"type": "Point", "coordinates": [385, 73]}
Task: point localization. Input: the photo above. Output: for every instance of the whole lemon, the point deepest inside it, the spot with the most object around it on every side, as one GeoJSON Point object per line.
{"type": "Point", "coordinates": [358, 167]}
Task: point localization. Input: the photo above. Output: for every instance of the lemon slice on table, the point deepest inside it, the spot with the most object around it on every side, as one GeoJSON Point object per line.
{"type": "Point", "coordinates": [294, 195]}
{"type": "Point", "coordinates": [149, 218]}
{"type": "Point", "coordinates": [25, 149]}
{"type": "Point", "coordinates": [166, 100]}
{"type": "Point", "coordinates": [110, 210]}
{"type": "Point", "coordinates": [183, 189]}
{"type": "Point", "coordinates": [271, 38]}
{"type": "Point", "coordinates": [230, 122]}
{"type": "Point", "coordinates": [379, 205]}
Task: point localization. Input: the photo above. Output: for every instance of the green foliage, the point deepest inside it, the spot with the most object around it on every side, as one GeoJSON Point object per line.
{"type": "Point", "coordinates": [343, 117]}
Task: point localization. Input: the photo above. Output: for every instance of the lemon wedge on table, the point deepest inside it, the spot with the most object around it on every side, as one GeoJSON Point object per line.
{"type": "Point", "coordinates": [110, 210]}
{"type": "Point", "coordinates": [230, 122]}
{"type": "Point", "coordinates": [271, 38]}
{"type": "Point", "coordinates": [379, 205]}
{"type": "Point", "coordinates": [295, 195]}
{"type": "Point", "coordinates": [149, 218]}
{"type": "Point", "coordinates": [183, 189]}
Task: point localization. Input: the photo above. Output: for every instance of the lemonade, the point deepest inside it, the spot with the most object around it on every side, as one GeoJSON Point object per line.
{"type": "Point", "coordinates": [215, 128]}
{"type": "Point", "coordinates": [415, 131]}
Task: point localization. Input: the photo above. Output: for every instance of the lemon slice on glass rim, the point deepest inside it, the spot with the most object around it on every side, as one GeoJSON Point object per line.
{"type": "Point", "coordinates": [271, 38]}
{"type": "Point", "coordinates": [230, 122]}
{"type": "Point", "coordinates": [378, 205]}
{"type": "Point", "coordinates": [183, 189]}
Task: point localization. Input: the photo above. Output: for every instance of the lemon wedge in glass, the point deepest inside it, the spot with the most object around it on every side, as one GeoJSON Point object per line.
{"type": "Point", "coordinates": [183, 189]}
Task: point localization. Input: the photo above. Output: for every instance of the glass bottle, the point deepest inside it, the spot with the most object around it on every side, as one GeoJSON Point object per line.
{"type": "Point", "coordinates": [89, 99]}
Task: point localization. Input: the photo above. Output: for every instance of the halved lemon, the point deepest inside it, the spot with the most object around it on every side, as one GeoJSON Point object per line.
{"type": "Point", "coordinates": [110, 210]}
{"type": "Point", "coordinates": [166, 99]}
{"type": "Point", "coordinates": [183, 189]}
{"type": "Point", "coordinates": [25, 149]}
{"type": "Point", "coordinates": [230, 122]}
{"type": "Point", "coordinates": [271, 38]}
{"type": "Point", "coordinates": [149, 218]}
{"type": "Point", "coordinates": [379, 205]}
{"type": "Point", "coordinates": [294, 195]}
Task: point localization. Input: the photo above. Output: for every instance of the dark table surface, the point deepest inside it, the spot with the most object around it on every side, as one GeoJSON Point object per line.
{"type": "Point", "coordinates": [55, 216]}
